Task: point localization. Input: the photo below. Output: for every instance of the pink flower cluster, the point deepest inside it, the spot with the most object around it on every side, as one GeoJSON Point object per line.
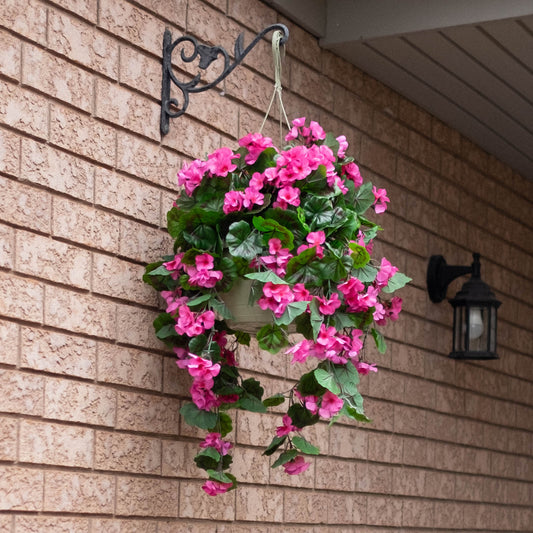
{"type": "Point", "coordinates": [219, 163]}
{"type": "Point", "coordinates": [326, 406]}
{"type": "Point", "coordinates": [331, 345]}
{"type": "Point", "coordinates": [201, 274]}
{"type": "Point", "coordinates": [278, 258]}
{"type": "Point", "coordinates": [214, 440]}
{"type": "Point", "coordinates": [276, 297]}
{"type": "Point", "coordinates": [213, 488]}
{"type": "Point", "coordinates": [202, 371]}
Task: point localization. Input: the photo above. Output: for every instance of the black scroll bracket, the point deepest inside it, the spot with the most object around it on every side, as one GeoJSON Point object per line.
{"type": "Point", "coordinates": [170, 107]}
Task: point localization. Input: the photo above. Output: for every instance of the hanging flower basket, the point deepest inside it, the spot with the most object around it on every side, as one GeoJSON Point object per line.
{"type": "Point", "coordinates": [269, 241]}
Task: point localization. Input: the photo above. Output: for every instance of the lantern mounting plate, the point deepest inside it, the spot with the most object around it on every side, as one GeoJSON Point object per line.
{"type": "Point", "coordinates": [440, 275]}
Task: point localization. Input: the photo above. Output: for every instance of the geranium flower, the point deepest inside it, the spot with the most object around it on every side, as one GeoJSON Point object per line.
{"type": "Point", "coordinates": [212, 488]}
{"type": "Point", "coordinates": [330, 405]}
{"type": "Point", "coordinates": [296, 466]}
{"type": "Point", "coordinates": [381, 198]}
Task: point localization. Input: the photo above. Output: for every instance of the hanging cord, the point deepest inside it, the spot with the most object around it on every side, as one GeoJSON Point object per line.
{"type": "Point", "coordinates": [276, 56]}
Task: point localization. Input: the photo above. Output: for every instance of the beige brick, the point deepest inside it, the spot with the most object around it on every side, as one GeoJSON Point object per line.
{"type": "Point", "coordinates": [82, 135]}
{"type": "Point", "coordinates": [88, 403]}
{"type": "Point", "coordinates": [133, 24]}
{"type": "Point", "coordinates": [249, 466]}
{"type": "Point", "coordinates": [178, 460]}
{"type": "Point", "coordinates": [342, 71]}
{"type": "Point", "coordinates": [85, 225]}
{"type": "Point", "coordinates": [194, 503]}
{"type": "Point", "coordinates": [116, 525]}
{"type": "Point", "coordinates": [10, 55]}
{"type": "Point", "coordinates": [54, 169]}
{"type": "Point", "coordinates": [23, 110]}
{"type": "Point", "coordinates": [86, 9]}
{"type": "Point", "coordinates": [135, 327]}
{"type": "Point", "coordinates": [148, 497]}
{"type": "Point", "coordinates": [417, 452]}
{"type": "Point", "coordinates": [415, 116]}
{"type": "Point", "coordinates": [126, 366]}
{"type": "Point", "coordinates": [26, 17]}
{"type": "Point", "coordinates": [387, 385]}
{"type": "Point", "coordinates": [312, 85]}
{"type": "Point", "coordinates": [385, 448]}
{"type": "Point", "coordinates": [173, 10]}
{"type": "Point", "coordinates": [80, 313]}
{"type": "Point", "coordinates": [127, 196]}
{"type": "Point", "coordinates": [334, 474]}
{"type": "Point", "coordinates": [55, 444]}
{"type": "Point", "coordinates": [420, 393]}
{"type": "Point", "coordinates": [74, 492]}
{"type": "Point", "coordinates": [302, 506]}
{"type": "Point", "coordinates": [52, 260]}
{"type": "Point", "coordinates": [127, 453]}
{"type": "Point", "coordinates": [57, 524]}
{"type": "Point", "coordinates": [175, 380]}
{"type": "Point", "coordinates": [352, 109]}
{"type": "Point", "coordinates": [21, 393]}
{"type": "Point", "coordinates": [261, 361]}
{"type": "Point", "coordinates": [57, 78]}
{"type": "Point", "coordinates": [349, 442]}
{"type": "Point", "coordinates": [123, 107]}
{"type": "Point", "coordinates": [256, 429]}
{"type": "Point", "coordinates": [21, 298]}
{"type": "Point", "coordinates": [82, 43]}
{"type": "Point", "coordinates": [440, 485]}
{"type": "Point", "coordinates": [378, 158]}
{"type": "Point", "coordinates": [9, 340]}
{"type": "Point", "coordinates": [447, 456]}
{"type": "Point", "coordinates": [21, 489]}
{"type": "Point", "coordinates": [149, 161]}
{"type": "Point", "coordinates": [143, 243]}
{"type": "Point", "coordinates": [9, 152]}
{"type": "Point", "coordinates": [219, 112]}
{"type": "Point", "coordinates": [375, 478]}
{"type": "Point", "coordinates": [417, 513]}
{"type": "Point", "coordinates": [25, 206]}
{"type": "Point", "coordinates": [410, 420]}
{"type": "Point", "coordinates": [139, 71]}
{"type": "Point", "coordinates": [448, 515]}
{"type": "Point", "coordinates": [260, 504]}
{"type": "Point", "coordinates": [57, 353]}
{"type": "Point", "coordinates": [386, 129]}
{"type": "Point", "coordinates": [148, 413]}
{"type": "Point", "coordinates": [8, 439]}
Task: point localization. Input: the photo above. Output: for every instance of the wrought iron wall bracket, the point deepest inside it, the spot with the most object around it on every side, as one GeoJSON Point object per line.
{"type": "Point", "coordinates": [171, 107]}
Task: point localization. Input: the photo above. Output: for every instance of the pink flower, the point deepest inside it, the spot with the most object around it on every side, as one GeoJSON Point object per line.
{"type": "Point", "coordinates": [275, 297]}
{"type": "Point", "coordinates": [301, 294]}
{"type": "Point", "coordinates": [395, 308]}
{"type": "Point", "coordinates": [356, 344]}
{"type": "Point", "coordinates": [214, 440]}
{"type": "Point", "coordinates": [174, 266]}
{"type": "Point", "coordinates": [331, 404]}
{"type": "Point", "coordinates": [300, 351]}
{"type": "Point", "coordinates": [290, 195]}
{"type": "Point", "coordinates": [365, 368]}
{"type": "Point", "coordinates": [286, 428]}
{"type": "Point", "coordinates": [203, 397]}
{"type": "Point", "coordinates": [186, 323]}
{"type": "Point", "coordinates": [386, 271]}
{"type": "Point", "coordinates": [296, 466]}
{"type": "Point", "coordinates": [233, 201]}
{"type": "Point", "coordinates": [351, 171]}
{"type": "Point", "coordinates": [343, 146]}
{"type": "Point", "coordinates": [328, 307]}
{"type": "Point", "coordinates": [255, 143]}
{"type": "Point", "coordinates": [379, 312]}
{"type": "Point", "coordinates": [316, 131]}
{"type": "Point", "coordinates": [252, 197]}
{"type": "Point", "coordinates": [311, 404]}
{"type": "Point", "coordinates": [203, 278]}
{"type": "Point", "coordinates": [212, 488]}
{"type": "Point", "coordinates": [201, 369]}
{"type": "Point", "coordinates": [219, 163]}
{"type": "Point", "coordinates": [381, 198]}
{"type": "Point", "coordinates": [190, 176]}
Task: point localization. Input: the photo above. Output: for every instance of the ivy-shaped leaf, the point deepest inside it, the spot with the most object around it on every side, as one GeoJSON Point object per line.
{"type": "Point", "coordinates": [272, 338]}
{"type": "Point", "coordinates": [305, 446]}
{"type": "Point", "coordinates": [293, 310]}
{"type": "Point", "coordinates": [380, 341]}
{"type": "Point", "coordinates": [274, 445]}
{"type": "Point", "coordinates": [265, 277]}
{"type": "Point", "coordinates": [327, 380]}
{"type": "Point", "coordinates": [271, 229]}
{"type": "Point", "coordinates": [242, 241]}
{"type": "Point", "coordinates": [198, 417]}
{"type": "Point", "coordinates": [364, 197]}
{"type": "Point", "coordinates": [285, 457]}
{"type": "Point", "coordinates": [274, 401]}
{"type": "Point", "coordinates": [359, 254]}
{"type": "Point", "coordinates": [397, 281]}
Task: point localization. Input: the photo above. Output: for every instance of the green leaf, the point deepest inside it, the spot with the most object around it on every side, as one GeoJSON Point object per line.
{"type": "Point", "coordinates": [309, 386]}
{"type": "Point", "coordinates": [251, 403]}
{"type": "Point", "coordinates": [197, 344]}
{"type": "Point", "coordinates": [367, 274]}
{"type": "Point", "coordinates": [219, 476]}
{"type": "Point", "coordinates": [319, 211]}
{"type": "Point", "coordinates": [316, 317]}
{"type": "Point", "coordinates": [242, 241]}
{"type": "Point", "coordinates": [289, 219]}
{"type": "Point", "coordinates": [285, 457]}
{"type": "Point", "coordinates": [242, 337]}
{"type": "Point", "coordinates": [301, 417]}
{"type": "Point", "coordinates": [210, 452]}
{"type": "Point", "coordinates": [220, 308]}
{"type": "Point", "coordinates": [197, 417]}
{"type": "Point", "coordinates": [159, 271]}
{"type": "Point", "coordinates": [359, 254]}
{"type": "Point", "coordinates": [293, 310]}
{"type": "Point", "coordinates": [397, 281]}
{"type": "Point", "coordinates": [229, 273]}
{"type": "Point", "coordinates": [273, 401]}
{"type": "Point", "coordinates": [199, 300]}
{"type": "Point", "coordinates": [202, 237]}
{"type": "Point", "coordinates": [301, 217]}
{"type": "Point", "coordinates": [347, 377]}
{"type": "Point", "coordinates": [206, 461]}
{"type": "Point", "coordinates": [380, 341]}
{"type": "Point", "coordinates": [265, 277]}
{"type": "Point", "coordinates": [272, 229]}
{"type": "Point", "coordinates": [272, 338]}
{"type": "Point", "coordinates": [305, 446]}
{"type": "Point", "coordinates": [353, 413]}
{"type": "Point", "coordinates": [327, 380]}
{"type": "Point", "coordinates": [225, 424]}
{"type": "Point", "coordinates": [332, 142]}
{"type": "Point", "coordinates": [274, 445]}
{"type": "Point", "coordinates": [166, 331]}
{"type": "Point", "coordinates": [253, 387]}
{"type": "Point", "coordinates": [364, 197]}
{"type": "Point", "coordinates": [301, 260]}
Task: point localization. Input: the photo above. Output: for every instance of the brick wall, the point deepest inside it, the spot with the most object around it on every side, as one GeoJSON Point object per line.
{"type": "Point", "coordinates": [90, 437]}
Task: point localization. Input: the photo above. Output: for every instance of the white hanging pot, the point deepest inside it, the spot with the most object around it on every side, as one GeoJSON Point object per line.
{"type": "Point", "coordinates": [248, 318]}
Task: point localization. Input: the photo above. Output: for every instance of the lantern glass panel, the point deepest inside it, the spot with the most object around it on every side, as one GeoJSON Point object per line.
{"type": "Point", "coordinates": [477, 329]}
{"type": "Point", "coordinates": [492, 327]}
{"type": "Point", "coordinates": [458, 329]}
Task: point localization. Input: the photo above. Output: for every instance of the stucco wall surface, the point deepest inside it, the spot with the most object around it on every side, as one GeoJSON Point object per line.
{"type": "Point", "coordinates": [90, 435]}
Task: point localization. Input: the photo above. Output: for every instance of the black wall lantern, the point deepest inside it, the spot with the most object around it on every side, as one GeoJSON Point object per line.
{"type": "Point", "coordinates": [474, 308]}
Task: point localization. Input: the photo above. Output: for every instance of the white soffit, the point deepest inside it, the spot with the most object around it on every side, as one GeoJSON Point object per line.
{"type": "Point", "coordinates": [468, 62]}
